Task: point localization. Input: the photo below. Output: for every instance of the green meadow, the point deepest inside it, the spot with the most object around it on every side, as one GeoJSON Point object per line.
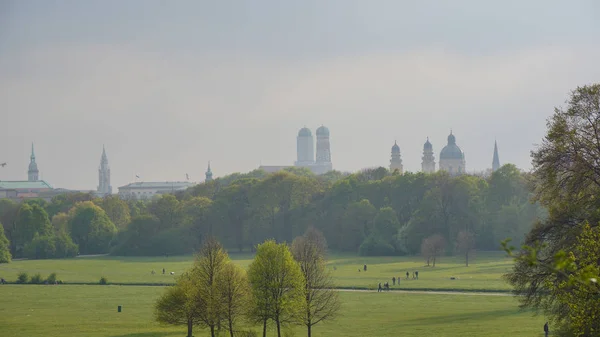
{"type": "Point", "coordinates": [483, 274]}
{"type": "Point", "coordinates": [91, 310]}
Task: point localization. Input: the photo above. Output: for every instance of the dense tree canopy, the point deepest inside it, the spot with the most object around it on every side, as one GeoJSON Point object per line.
{"type": "Point", "coordinates": [566, 179]}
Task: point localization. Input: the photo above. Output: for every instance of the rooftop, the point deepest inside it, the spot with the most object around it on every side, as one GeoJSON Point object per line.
{"type": "Point", "coordinates": [159, 184]}
{"type": "Point", "coordinates": [40, 184]}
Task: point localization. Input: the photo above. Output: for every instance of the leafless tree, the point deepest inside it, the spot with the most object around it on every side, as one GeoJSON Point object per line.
{"type": "Point", "coordinates": [432, 247]}
{"type": "Point", "coordinates": [321, 300]}
{"type": "Point", "coordinates": [465, 243]}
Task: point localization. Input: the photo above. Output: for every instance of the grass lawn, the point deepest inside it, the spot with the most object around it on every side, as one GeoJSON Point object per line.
{"type": "Point", "coordinates": [484, 273]}
{"type": "Point", "coordinates": [87, 311]}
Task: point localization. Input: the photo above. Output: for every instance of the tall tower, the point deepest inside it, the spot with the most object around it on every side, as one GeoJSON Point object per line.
{"type": "Point", "coordinates": [396, 161]}
{"type": "Point", "coordinates": [305, 148]}
{"type": "Point", "coordinates": [496, 160]}
{"type": "Point", "coordinates": [209, 174]}
{"type": "Point", "coordinates": [323, 162]}
{"type": "Point", "coordinates": [33, 173]}
{"type": "Point", "coordinates": [104, 187]}
{"type": "Point", "coordinates": [428, 163]}
{"type": "Point", "coordinates": [452, 158]}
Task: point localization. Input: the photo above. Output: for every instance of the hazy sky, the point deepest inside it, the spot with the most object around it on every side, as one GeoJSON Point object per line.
{"type": "Point", "coordinates": [169, 85]}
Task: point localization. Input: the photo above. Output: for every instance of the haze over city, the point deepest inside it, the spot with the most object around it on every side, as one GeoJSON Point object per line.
{"type": "Point", "coordinates": [168, 86]}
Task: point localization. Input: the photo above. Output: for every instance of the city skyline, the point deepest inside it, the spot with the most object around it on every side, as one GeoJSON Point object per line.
{"type": "Point", "coordinates": [201, 81]}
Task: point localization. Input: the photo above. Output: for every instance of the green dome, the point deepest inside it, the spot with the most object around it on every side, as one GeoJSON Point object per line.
{"type": "Point", "coordinates": [452, 151]}
{"type": "Point", "coordinates": [323, 131]}
{"type": "Point", "coordinates": [304, 132]}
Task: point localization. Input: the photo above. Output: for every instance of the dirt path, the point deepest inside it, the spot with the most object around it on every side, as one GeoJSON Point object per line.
{"type": "Point", "coordinates": [432, 292]}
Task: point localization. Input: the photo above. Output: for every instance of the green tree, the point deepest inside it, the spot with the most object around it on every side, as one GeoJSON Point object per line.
{"type": "Point", "coordinates": [566, 179]}
{"type": "Point", "coordinates": [8, 217]}
{"type": "Point", "coordinates": [177, 306]}
{"type": "Point", "coordinates": [116, 209]}
{"type": "Point", "coordinates": [357, 225]}
{"type": "Point", "coordinates": [277, 286]}
{"type": "Point", "coordinates": [31, 219]}
{"type": "Point", "coordinates": [5, 256]}
{"type": "Point", "coordinates": [234, 292]}
{"type": "Point", "coordinates": [195, 213]}
{"type": "Point", "coordinates": [136, 238]}
{"type": "Point", "coordinates": [321, 301]}
{"type": "Point", "coordinates": [91, 228]}
{"type": "Point", "coordinates": [168, 211]}
{"type": "Point", "coordinates": [209, 264]}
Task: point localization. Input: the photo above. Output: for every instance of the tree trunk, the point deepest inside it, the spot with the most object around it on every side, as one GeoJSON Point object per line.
{"type": "Point", "coordinates": [265, 328]}
{"type": "Point", "coordinates": [189, 324]}
{"type": "Point", "coordinates": [434, 261]}
{"type": "Point", "coordinates": [278, 328]}
{"type": "Point", "coordinates": [230, 328]}
{"type": "Point", "coordinates": [212, 331]}
{"type": "Point", "coordinates": [467, 257]}
{"type": "Point", "coordinates": [309, 329]}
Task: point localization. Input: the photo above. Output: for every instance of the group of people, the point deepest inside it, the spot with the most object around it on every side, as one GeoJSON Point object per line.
{"type": "Point", "coordinates": [386, 285]}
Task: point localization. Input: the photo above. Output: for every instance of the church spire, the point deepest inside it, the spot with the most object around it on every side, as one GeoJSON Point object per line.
{"type": "Point", "coordinates": [104, 187]}
{"type": "Point", "coordinates": [209, 175]}
{"type": "Point", "coordinates": [33, 172]}
{"type": "Point", "coordinates": [496, 159]}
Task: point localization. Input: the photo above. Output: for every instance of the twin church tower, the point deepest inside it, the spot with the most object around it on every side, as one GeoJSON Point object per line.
{"type": "Point", "coordinates": [306, 150]}
{"type": "Point", "coordinates": [452, 158]}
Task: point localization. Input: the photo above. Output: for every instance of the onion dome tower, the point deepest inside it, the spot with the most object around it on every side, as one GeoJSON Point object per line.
{"type": "Point", "coordinates": [428, 159]}
{"type": "Point", "coordinates": [305, 149]}
{"type": "Point", "coordinates": [396, 161]}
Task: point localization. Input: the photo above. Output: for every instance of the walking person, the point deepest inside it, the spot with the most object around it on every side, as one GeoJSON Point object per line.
{"type": "Point", "coordinates": [379, 288]}
{"type": "Point", "coordinates": [546, 329]}
{"type": "Point", "coordinates": [393, 280]}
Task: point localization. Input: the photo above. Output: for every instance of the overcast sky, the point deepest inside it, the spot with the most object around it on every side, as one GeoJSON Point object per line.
{"type": "Point", "coordinates": [167, 86]}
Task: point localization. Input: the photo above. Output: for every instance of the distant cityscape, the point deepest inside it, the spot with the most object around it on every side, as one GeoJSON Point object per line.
{"type": "Point", "coordinates": [451, 160]}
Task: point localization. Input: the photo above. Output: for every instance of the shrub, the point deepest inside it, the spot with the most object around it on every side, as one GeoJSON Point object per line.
{"type": "Point", "coordinates": [51, 278]}
{"type": "Point", "coordinates": [22, 278]}
{"type": "Point", "coordinates": [36, 279]}
{"type": "Point", "coordinates": [103, 280]}
{"type": "Point", "coordinates": [374, 247]}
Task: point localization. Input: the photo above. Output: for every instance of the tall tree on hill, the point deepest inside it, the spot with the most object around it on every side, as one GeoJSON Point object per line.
{"type": "Point", "coordinates": [168, 211]}
{"type": "Point", "coordinates": [321, 301]}
{"type": "Point", "coordinates": [277, 286]}
{"type": "Point", "coordinates": [566, 177]}
{"type": "Point", "coordinates": [116, 209]}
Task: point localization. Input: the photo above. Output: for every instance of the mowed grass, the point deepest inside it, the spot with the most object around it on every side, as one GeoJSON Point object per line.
{"type": "Point", "coordinates": [484, 272]}
{"type": "Point", "coordinates": [79, 310]}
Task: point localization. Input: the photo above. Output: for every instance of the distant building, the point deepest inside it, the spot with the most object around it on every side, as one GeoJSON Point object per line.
{"type": "Point", "coordinates": [209, 174]}
{"type": "Point", "coordinates": [19, 190]}
{"type": "Point", "coordinates": [305, 150]}
{"type": "Point", "coordinates": [428, 159]}
{"type": "Point", "coordinates": [104, 187]}
{"type": "Point", "coordinates": [452, 158]}
{"type": "Point", "coordinates": [33, 172]}
{"type": "Point", "coordinates": [496, 159]}
{"type": "Point", "coordinates": [305, 155]}
{"type": "Point", "coordinates": [396, 161]}
{"type": "Point", "coordinates": [147, 190]}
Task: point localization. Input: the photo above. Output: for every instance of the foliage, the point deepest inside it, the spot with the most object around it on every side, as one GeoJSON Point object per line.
{"type": "Point", "coordinates": [103, 281]}
{"type": "Point", "coordinates": [277, 286]}
{"type": "Point", "coordinates": [5, 256]}
{"type": "Point", "coordinates": [321, 301]}
{"type": "Point", "coordinates": [91, 228]}
{"type": "Point", "coordinates": [22, 278]}
{"type": "Point", "coordinates": [465, 243]}
{"type": "Point", "coordinates": [51, 278]}
{"type": "Point", "coordinates": [177, 306]}
{"type": "Point", "coordinates": [116, 209]}
{"type": "Point", "coordinates": [566, 181]}
{"type": "Point", "coordinates": [234, 292]}
{"type": "Point", "coordinates": [36, 279]}
{"type": "Point", "coordinates": [31, 219]}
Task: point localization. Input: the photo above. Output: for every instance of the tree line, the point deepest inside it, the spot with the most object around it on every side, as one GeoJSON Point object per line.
{"type": "Point", "coordinates": [284, 286]}
{"type": "Point", "coordinates": [372, 212]}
